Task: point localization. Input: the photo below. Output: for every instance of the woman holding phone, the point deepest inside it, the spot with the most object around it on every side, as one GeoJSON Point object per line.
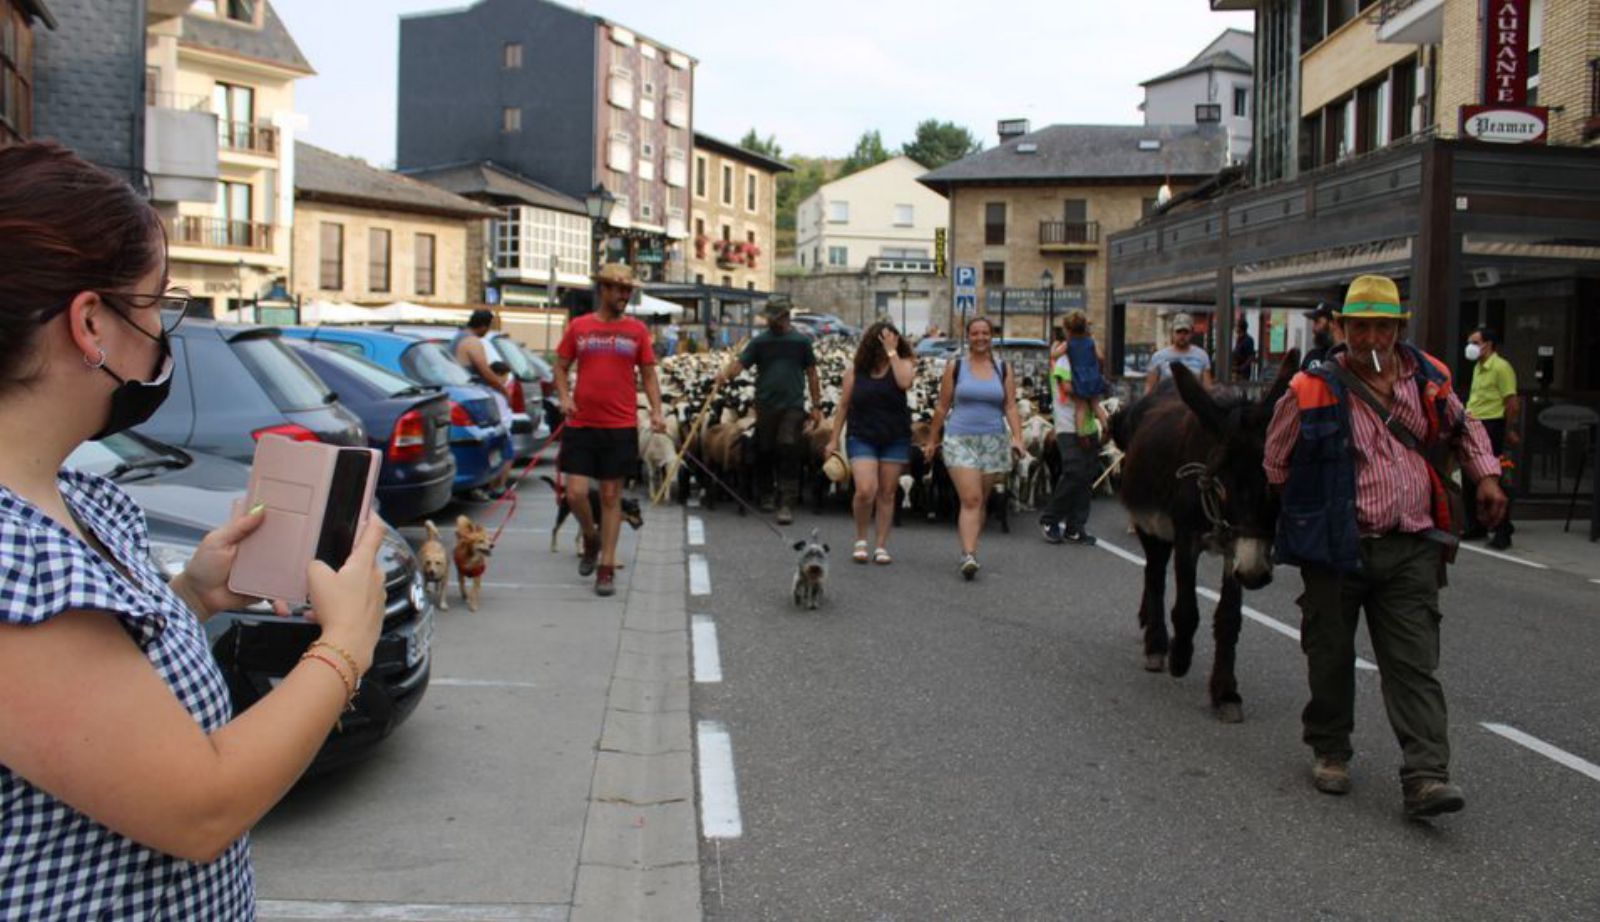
{"type": "Point", "coordinates": [127, 788]}
{"type": "Point", "coordinates": [977, 401]}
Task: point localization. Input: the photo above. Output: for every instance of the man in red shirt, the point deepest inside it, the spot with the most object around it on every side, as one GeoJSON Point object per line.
{"type": "Point", "coordinates": [601, 438]}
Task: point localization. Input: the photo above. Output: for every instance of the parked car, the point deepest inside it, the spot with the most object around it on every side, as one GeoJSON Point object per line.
{"type": "Point", "coordinates": [936, 347]}
{"type": "Point", "coordinates": [823, 324]}
{"type": "Point", "coordinates": [479, 439]}
{"type": "Point", "coordinates": [184, 495]}
{"type": "Point", "coordinates": [544, 374]}
{"type": "Point", "coordinates": [407, 421]}
{"type": "Point", "coordinates": [233, 383]}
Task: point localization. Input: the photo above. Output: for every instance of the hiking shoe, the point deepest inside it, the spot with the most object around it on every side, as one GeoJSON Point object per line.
{"type": "Point", "coordinates": [785, 515]}
{"type": "Point", "coordinates": [605, 581]}
{"type": "Point", "coordinates": [1052, 533]}
{"type": "Point", "coordinates": [590, 556]}
{"type": "Point", "coordinates": [1431, 798]}
{"type": "Point", "coordinates": [969, 566]}
{"type": "Point", "coordinates": [1500, 542]}
{"type": "Point", "coordinates": [1331, 775]}
{"type": "Point", "coordinates": [1079, 536]}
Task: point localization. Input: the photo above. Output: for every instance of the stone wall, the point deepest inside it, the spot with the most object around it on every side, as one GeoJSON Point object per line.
{"type": "Point", "coordinates": [856, 298]}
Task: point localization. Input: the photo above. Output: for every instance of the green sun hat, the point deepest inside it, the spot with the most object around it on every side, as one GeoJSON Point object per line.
{"type": "Point", "coordinates": [1374, 296]}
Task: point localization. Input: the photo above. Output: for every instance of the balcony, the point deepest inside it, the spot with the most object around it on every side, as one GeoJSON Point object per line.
{"type": "Point", "coordinates": [221, 233]}
{"type": "Point", "coordinates": [1409, 22]}
{"type": "Point", "coordinates": [1069, 235]}
{"type": "Point", "coordinates": [246, 138]}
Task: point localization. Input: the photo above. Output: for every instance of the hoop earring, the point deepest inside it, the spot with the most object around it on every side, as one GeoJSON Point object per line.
{"type": "Point", "coordinates": [95, 365]}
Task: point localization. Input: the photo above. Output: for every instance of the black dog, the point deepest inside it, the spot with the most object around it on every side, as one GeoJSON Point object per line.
{"type": "Point", "coordinates": [630, 509]}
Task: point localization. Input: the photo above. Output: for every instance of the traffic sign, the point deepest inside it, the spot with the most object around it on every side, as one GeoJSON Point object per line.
{"type": "Point", "coordinates": [966, 304]}
{"type": "Point", "coordinates": [967, 277]}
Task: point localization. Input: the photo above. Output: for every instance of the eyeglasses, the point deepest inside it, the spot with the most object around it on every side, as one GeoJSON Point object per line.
{"type": "Point", "coordinates": [173, 304]}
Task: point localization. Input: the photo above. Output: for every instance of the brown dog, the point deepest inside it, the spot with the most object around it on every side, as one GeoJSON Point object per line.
{"type": "Point", "coordinates": [435, 567]}
{"type": "Point", "coordinates": [472, 558]}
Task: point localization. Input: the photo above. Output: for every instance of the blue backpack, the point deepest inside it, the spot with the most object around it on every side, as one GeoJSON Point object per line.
{"type": "Point", "coordinates": [1087, 381]}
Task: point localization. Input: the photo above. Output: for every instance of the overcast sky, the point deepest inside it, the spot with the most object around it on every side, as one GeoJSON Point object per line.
{"type": "Point", "coordinates": [815, 73]}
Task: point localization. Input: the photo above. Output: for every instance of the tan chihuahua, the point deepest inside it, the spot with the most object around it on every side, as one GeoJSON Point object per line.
{"type": "Point", "coordinates": [472, 558]}
{"type": "Point", "coordinates": [435, 567]}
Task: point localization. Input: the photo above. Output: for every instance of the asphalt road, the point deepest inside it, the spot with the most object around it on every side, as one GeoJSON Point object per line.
{"type": "Point", "coordinates": [925, 748]}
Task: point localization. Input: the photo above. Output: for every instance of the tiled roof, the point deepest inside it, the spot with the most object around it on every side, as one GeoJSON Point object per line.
{"type": "Point", "coordinates": [272, 42]}
{"type": "Point", "coordinates": [1222, 60]}
{"type": "Point", "coordinates": [726, 149]}
{"type": "Point", "coordinates": [485, 178]}
{"type": "Point", "coordinates": [1072, 153]}
{"type": "Point", "coordinates": [321, 175]}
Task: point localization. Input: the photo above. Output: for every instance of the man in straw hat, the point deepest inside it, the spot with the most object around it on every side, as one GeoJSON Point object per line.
{"type": "Point", "coordinates": [601, 438]}
{"type": "Point", "coordinates": [783, 360]}
{"type": "Point", "coordinates": [1366, 518]}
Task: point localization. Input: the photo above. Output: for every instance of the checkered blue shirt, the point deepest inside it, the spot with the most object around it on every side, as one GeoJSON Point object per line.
{"type": "Point", "coordinates": [56, 863]}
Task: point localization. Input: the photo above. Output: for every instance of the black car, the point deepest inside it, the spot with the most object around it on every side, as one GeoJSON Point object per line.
{"type": "Point", "coordinates": [233, 383]}
{"type": "Point", "coordinates": [186, 495]}
{"type": "Point", "coordinates": [407, 421]}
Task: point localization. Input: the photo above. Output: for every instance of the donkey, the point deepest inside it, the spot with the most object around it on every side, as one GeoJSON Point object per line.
{"type": "Point", "coordinates": [1193, 481]}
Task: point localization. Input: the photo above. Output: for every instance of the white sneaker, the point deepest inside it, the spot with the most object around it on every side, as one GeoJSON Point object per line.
{"type": "Point", "coordinates": [969, 566]}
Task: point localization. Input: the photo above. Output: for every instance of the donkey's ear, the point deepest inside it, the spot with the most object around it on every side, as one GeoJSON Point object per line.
{"type": "Point", "coordinates": [827, 549]}
{"type": "Point", "coordinates": [1280, 384]}
{"type": "Point", "coordinates": [1199, 400]}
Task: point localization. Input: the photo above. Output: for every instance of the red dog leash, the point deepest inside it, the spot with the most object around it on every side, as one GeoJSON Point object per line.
{"type": "Point", "coordinates": [510, 493]}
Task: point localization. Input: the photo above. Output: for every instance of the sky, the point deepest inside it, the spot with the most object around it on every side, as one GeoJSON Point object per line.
{"type": "Point", "coordinates": [814, 73]}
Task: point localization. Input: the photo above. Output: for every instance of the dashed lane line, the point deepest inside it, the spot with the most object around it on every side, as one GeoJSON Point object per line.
{"type": "Point", "coordinates": [719, 791]}
{"type": "Point", "coordinates": [699, 575]}
{"type": "Point", "coordinates": [696, 531]}
{"type": "Point", "coordinates": [707, 658]}
{"type": "Point", "coordinates": [1577, 764]}
{"type": "Point", "coordinates": [1260, 617]}
{"type": "Point", "coordinates": [1500, 556]}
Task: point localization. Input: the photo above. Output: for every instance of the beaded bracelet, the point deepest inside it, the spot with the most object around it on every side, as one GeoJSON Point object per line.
{"type": "Point", "coordinates": [349, 686]}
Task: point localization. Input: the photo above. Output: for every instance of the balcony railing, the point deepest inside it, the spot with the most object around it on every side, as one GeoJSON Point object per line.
{"type": "Point", "coordinates": [248, 138]}
{"type": "Point", "coordinates": [187, 102]}
{"type": "Point", "coordinates": [220, 233]}
{"type": "Point", "coordinates": [1069, 233]}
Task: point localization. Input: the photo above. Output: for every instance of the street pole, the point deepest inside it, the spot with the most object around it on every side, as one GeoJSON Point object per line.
{"type": "Point", "coordinates": [1002, 312]}
{"type": "Point", "coordinates": [905, 286]}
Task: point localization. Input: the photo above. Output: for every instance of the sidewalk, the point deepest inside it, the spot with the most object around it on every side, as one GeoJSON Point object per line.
{"type": "Point", "coordinates": [1542, 542]}
{"type": "Point", "coordinates": [548, 772]}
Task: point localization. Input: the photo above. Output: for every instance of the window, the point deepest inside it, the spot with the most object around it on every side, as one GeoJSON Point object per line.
{"type": "Point", "coordinates": [1207, 112]}
{"type": "Point", "coordinates": [331, 272]}
{"type": "Point", "coordinates": [994, 224]}
{"type": "Point", "coordinates": [838, 256]}
{"type": "Point", "coordinates": [838, 212]}
{"type": "Point", "coordinates": [378, 240]}
{"type": "Point", "coordinates": [677, 169]}
{"type": "Point", "coordinates": [1075, 211]}
{"type": "Point", "coordinates": [905, 215]}
{"type": "Point", "coordinates": [699, 176]}
{"type": "Point", "coordinates": [16, 81]}
{"type": "Point", "coordinates": [511, 119]}
{"type": "Point", "coordinates": [1241, 101]}
{"type": "Point", "coordinates": [677, 108]}
{"type": "Point", "coordinates": [425, 246]}
{"type": "Point", "coordinates": [994, 275]}
{"type": "Point", "coordinates": [236, 115]}
{"type": "Point", "coordinates": [620, 88]}
{"type": "Point", "coordinates": [727, 184]}
{"type": "Point", "coordinates": [513, 56]}
{"type": "Point", "coordinates": [619, 154]}
{"type": "Point", "coordinates": [236, 10]}
{"type": "Point", "coordinates": [234, 213]}
{"type": "Point", "coordinates": [1073, 273]}
{"type": "Point", "coordinates": [750, 192]}
{"type": "Point", "coordinates": [1403, 99]}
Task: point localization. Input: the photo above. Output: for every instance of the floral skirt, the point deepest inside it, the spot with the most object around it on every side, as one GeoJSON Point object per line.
{"type": "Point", "coordinates": [990, 454]}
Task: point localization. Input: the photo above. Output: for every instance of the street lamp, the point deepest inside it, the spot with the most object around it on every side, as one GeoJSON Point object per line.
{"type": "Point", "coordinates": [1048, 283]}
{"type": "Point", "coordinates": [905, 285]}
{"type": "Point", "coordinates": [598, 203]}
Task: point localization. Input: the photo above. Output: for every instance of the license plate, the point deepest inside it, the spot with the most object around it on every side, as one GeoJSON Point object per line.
{"type": "Point", "coordinates": [421, 639]}
{"type": "Point", "coordinates": [441, 436]}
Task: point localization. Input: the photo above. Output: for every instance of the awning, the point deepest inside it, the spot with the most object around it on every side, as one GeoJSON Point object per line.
{"type": "Point", "coordinates": [654, 307]}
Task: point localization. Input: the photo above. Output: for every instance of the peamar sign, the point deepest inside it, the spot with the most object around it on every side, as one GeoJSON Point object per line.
{"type": "Point", "coordinates": [1504, 117]}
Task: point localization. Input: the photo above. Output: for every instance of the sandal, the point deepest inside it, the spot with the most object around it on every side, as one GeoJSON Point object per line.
{"type": "Point", "coordinates": [881, 556]}
{"type": "Point", "coordinates": [860, 552]}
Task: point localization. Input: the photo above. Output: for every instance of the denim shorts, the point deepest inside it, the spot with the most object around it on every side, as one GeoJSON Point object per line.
{"type": "Point", "coordinates": [896, 452]}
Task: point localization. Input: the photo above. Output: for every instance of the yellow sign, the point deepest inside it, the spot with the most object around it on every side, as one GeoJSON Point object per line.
{"type": "Point", "coordinates": [938, 252]}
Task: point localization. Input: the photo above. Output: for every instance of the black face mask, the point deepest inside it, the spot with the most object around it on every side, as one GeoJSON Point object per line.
{"type": "Point", "coordinates": [1323, 339]}
{"type": "Point", "coordinates": [134, 402]}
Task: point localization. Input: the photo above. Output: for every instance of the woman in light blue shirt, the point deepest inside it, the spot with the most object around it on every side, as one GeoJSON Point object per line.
{"type": "Point", "coordinates": [977, 400]}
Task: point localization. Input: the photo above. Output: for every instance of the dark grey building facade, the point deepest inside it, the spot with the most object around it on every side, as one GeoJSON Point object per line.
{"type": "Point", "coordinates": [89, 80]}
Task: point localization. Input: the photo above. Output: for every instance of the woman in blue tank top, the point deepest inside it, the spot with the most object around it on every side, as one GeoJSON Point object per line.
{"type": "Point", "coordinates": [873, 403]}
{"type": "Point", "coordinates": [977, 401]}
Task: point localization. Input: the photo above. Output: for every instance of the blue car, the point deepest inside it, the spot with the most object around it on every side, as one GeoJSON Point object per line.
{"type": "Point", "coordinates": [480, 439]}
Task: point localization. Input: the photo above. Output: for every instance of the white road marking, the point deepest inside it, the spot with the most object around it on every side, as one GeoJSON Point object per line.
{"type": "Point", "coordinates": [699, 575]}
{"type": "Point", "coordinates": [707, 659]}
{"type": "Point", "coordinates": [697, 531]}
{"type": "Point", "coordinates": [719, 793]}
{"type": "Point", "coordinates": [1579, 765]}
{"type": "Point", "coordinates": [1253, 614]}
{"type": "Point", "coordinates": [445, 682]}
{"type": "Point", "coordinates": [412, 912]}
{"type": "Point", "coordinates": [1499, 556]}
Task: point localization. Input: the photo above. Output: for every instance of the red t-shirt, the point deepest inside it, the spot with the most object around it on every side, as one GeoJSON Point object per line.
{"type": "Point", "coordinates": [606, 354]}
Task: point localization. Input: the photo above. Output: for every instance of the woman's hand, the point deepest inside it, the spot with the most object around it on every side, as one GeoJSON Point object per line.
{"type": "Point", "coordinates": [1018, 450]}
{"type": "Point", "coordinates": [349, 603]}
{"type": "Point", "coordinates": [890, 340]}
{"type": "Point", "coordinates": [204, 580]}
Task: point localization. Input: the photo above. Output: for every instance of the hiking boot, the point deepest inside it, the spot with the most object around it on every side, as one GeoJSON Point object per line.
{"type": "Point", "coordinates": [785, 515]}
{"type": "Point", "coordinates": [969, 566]}
{"type": "Point", "coordinates": [590, 556]}
{"type": "Point", "coordinates": [1331, 775]}
{"type": "Point", "coordinates": [605, 582]}
{"type": "Point", "coordinates": [1079, 536]}
{"type": "Point", "coordinates": [1052, 533]}
{"type": "Point", "coordinates": [1431, 798]}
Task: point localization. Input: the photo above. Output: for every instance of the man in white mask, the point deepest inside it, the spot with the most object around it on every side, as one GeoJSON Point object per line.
{"type": "Point", "coordinates": [1493, 400]}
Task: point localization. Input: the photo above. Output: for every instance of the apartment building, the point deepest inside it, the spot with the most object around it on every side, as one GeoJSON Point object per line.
{"type": "Point", "coordinates": [1030, 216]}
{"type": "Point", "coordinates": [1215, 87]}
{"type": "Point", "coordinates": [1384, 145]}
{"type": "Point", "coordinates": [18, 20]}
{"type": "Point", "coordinates": [571, 101]}
{"type": "Point", "coordinates": [733, 215]}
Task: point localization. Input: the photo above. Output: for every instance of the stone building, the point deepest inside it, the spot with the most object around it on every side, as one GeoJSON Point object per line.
{"type": "Point", "coordinates": [733, 215]}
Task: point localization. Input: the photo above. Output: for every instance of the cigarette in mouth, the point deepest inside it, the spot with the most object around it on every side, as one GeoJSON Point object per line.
{"type": "Point", "coordinates": [1375, 364]}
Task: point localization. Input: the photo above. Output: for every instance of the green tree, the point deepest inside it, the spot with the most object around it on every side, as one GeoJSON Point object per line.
{"type": "Point", "coordinates": [869, 151]}
{"type": "Point", "coordinates": [938, 143]}
{"type": "Point", "coordinates": [752, 141]}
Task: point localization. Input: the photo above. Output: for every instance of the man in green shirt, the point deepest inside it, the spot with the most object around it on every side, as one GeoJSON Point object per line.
{"type": "Point", "coordinates": [1493, 400]}
{"type": "Point", "coordinates": [784, 364]}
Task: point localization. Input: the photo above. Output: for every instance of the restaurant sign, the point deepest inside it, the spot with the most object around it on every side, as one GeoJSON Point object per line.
{"type": "Point", "coordinates": [1505, 124]}
{"type": "Point", "coordinates": [1505, 52]}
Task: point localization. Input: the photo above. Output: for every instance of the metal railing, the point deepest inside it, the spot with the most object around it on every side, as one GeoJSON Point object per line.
{"type": "Point", "coordinates": [221, 233]}
{"type": "Point", "coordinates": [249, 138]}
{"type": "Point", "coordinates": [1069, 233]}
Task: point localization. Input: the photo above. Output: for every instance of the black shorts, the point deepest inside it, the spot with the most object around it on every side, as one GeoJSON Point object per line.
{"type": "Point", "coordinates": [603, 454]}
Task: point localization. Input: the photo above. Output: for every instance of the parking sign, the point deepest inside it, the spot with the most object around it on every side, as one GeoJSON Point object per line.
{"type": "Point", "coordinates": [967, 277]}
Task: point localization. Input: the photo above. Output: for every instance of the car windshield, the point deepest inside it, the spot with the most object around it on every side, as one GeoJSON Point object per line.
{"type": "Point", "coordinates": [288, 381]}
{"type": "Point", "coordinates": [540, 367]}
{"type": "Point", "coordinates": [124, 452]}
{"type": "Point", "coordinates": [429, 363]}
{"type": "Point", "coordinates": [379, 377]}
{"type": "Point", "coordinates": [506, 349]}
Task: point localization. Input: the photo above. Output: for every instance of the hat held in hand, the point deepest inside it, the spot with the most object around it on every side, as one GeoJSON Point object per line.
{"type": "Point", "coordinates": [836, 469]}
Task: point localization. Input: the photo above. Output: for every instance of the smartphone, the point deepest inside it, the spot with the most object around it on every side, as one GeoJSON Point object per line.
{"type": "Point", "coordinates": [318, 498]}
